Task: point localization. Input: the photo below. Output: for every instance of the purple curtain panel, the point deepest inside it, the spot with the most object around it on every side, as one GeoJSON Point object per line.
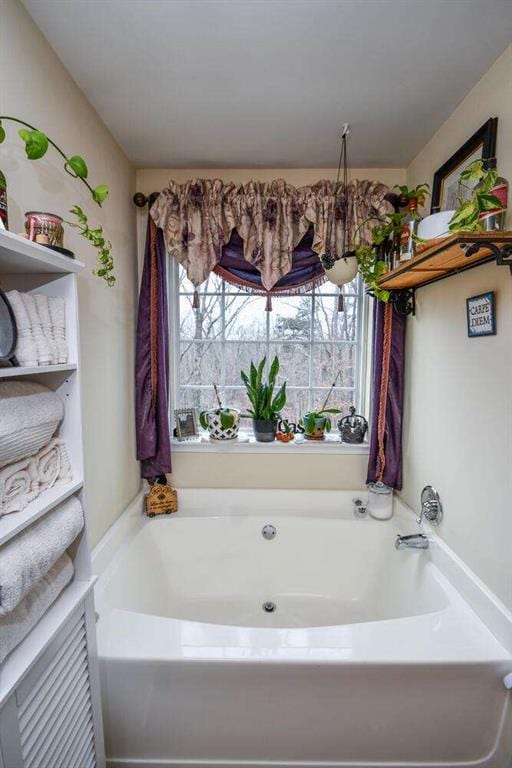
{"type": "Point", "coordinates": [385, 459]}
{"type": "Point", "coordinates": [152, 361]}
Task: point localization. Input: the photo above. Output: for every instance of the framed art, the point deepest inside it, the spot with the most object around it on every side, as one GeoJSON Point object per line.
{"type": "Point", "coordinates": [481, 315]}
{"type": "Point", "coordinates": [186, 423]}
{"type": "Point", "coordinates": [481, 144]}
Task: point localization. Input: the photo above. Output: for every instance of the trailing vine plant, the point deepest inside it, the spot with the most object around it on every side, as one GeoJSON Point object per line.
{"type": "Point", "coordinates": [37, 144]}
{"type": "Point", "coordinates": [467, 216]}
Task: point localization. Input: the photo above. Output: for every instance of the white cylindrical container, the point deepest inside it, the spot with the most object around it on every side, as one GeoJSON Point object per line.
{"type": "Point", "coordinates": [380, 501]}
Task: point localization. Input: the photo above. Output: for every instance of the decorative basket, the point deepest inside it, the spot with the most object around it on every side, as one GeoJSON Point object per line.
{"type": "Point", "coordinates": [49, 224]}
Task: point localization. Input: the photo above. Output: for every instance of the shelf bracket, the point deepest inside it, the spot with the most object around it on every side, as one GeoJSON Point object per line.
{"type": "Point", "coordinates": [502, 255]}
{"type": "Point", "coordinates": [404, 301]}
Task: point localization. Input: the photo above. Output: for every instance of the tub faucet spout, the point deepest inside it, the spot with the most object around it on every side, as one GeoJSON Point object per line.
{"type": "Point", "coordinates": [415, 541]}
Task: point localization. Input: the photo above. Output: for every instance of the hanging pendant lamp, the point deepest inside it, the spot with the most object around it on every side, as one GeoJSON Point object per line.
{"type": "Point", "coordinates": [341, 269]}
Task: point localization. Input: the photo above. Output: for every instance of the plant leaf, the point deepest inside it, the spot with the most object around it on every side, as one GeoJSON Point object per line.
{"type": "Point", "coordinates": [78, 166]}
{"type": "Point", "coordinates": [36, 143]}
{"type": "Point", "coordinates": [227, 419]}
{"type": "Point", "coordinates": [2, 132]}
{"type": "Point", "coordinates": [202, 420]}
{"type": "Point", "coordinates": [489, 202]}
{"type": "Point", "coordinates": [99, 193]}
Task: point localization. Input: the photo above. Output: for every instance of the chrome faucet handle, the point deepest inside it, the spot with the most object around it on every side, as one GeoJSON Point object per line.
{"type": "Point", "coordinates": [431, 507]}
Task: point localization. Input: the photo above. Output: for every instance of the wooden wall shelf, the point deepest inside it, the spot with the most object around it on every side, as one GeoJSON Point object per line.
{"type": "Point", "coordinates": [448, 256]}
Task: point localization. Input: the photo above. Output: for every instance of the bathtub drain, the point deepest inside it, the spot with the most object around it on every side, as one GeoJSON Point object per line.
{"type": "Point", "coordinates": [269, 607]}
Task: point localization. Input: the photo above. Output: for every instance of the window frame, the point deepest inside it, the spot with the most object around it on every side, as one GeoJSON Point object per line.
{"type": "Point", "coordinates": [363, 345]}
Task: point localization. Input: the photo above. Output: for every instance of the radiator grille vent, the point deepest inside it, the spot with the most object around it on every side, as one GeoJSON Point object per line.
{"type": "Point", "coordinates": [55, 719]}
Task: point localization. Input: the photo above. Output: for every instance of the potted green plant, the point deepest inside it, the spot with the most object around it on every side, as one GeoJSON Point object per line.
{"type": "Point", "coordinates": [317, 423]}
{"type": "Point", "coordinates": [266, 406]}
{"type": "Point", "coordinates": [36, 145]}
{"type": "Point", "coordinates": [471, 213]}
{"type": "Point", "coordinates": [221, 423]}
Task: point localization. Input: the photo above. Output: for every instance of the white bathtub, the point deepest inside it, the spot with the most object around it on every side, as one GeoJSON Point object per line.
{"type": "Point", "coordinates": [370, 658]}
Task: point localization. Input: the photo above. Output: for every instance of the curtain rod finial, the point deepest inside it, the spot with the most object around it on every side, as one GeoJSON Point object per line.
{"type": "Point", "coordinates": [140, 199]}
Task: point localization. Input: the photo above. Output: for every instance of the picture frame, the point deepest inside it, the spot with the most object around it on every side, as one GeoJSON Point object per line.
{"type": "Point", "coordinates": [482, 144]}
{"type": "Point", "coordinates": [186, 423]}
{"type": "Point", "coordinates": [481, 315]}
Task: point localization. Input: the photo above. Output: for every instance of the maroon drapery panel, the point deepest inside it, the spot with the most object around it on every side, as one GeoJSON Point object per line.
{"type": "Point", "coordinates": [152, 361]}
{"type": "Point", "coordinates": [385, 459]}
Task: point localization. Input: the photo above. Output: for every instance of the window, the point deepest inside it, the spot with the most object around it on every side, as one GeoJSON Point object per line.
{"type": "Point", "coordinates": [231, 328]}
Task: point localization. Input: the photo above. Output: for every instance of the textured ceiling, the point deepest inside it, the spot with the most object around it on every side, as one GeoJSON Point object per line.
{"type": "Point", "coordinates": [268, 83]}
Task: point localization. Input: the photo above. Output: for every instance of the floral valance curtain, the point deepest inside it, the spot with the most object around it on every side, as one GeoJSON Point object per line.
{"type": "Point", "coordinates": [198, 218]}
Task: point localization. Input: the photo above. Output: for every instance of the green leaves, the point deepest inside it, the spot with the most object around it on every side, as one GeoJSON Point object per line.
{"type": "Point", "coordinates": [371, 269]}
{"type": "Point", "coordinates": [202, 419]}
{"type": "Point", "coordinates": [227, 418]}
{"type": "Point", "coordinates": [100, 193]}
{"type": "Point", "coordinates": [2, 132]}
{"type": "Point", "coordinates": [36, 143]}
{"type": "Point", "coordinates": [98, 241]}
{"type": "Point", "coordinates": [265, 405]}
{"type": "Point", "coordinates": [76, 166]}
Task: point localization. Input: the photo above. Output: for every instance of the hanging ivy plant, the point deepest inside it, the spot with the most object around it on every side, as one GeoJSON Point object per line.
{"type": "Point", "coordinates": [467, 217]}
{"type": "Point", "coordinates": [37, 144]}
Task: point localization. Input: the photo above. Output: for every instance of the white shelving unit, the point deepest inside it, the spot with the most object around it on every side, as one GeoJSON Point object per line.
{"type": "Point", "coordinates": [27, 266]}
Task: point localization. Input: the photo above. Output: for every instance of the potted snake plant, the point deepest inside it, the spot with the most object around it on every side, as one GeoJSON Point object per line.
{"type": "Point", "coordinates": [221, 423]}
{"type": "Point", "coordinates": [266, 407]}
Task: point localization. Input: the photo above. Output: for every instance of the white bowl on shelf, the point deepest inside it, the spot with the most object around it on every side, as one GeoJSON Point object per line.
{"type": "Point", "coordinates": [435, 225]}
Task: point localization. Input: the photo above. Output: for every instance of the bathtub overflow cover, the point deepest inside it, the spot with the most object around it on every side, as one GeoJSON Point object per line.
{"type": "Point", "coordinates": [269, 607]}
{"type": "Point", "coordinates": [268, 532]}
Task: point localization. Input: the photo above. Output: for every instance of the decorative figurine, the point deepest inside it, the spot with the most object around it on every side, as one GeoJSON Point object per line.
{"type": "Point", "coordinates": [353, 427]}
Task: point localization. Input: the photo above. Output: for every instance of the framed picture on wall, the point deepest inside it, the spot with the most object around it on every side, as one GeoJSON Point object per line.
{"type": "Point", "coordinates": [481, 144]}
{"type": "Point", "coordinates": [481, 313]}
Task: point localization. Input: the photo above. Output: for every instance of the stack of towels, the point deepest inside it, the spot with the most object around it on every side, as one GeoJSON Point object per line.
{"type": "Point", "coordinates": [34, 569]}
{"type": "Point", "coordinates": [41, 323]}
{"type": "Point", "coordinates": [32, 459]}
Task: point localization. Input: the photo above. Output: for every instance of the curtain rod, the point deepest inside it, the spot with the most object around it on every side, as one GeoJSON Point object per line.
{"type": "Point", "coordinates": [140, 199]}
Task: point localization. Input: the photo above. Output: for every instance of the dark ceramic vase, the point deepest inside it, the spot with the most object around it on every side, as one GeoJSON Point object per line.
{"type": "Point", "coordinates": [264, 431]}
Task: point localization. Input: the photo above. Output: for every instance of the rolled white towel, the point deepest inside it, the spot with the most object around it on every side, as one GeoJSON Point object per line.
{"type": "Point", "coordinates": [52, 465]}
{"type": "Point", "coordinates": [18, 486]}
{"type": "Point", "coordinates": [58, 316]}
{"type": "Point", "coordinates": [43, 310]}
{"type": "Point", "coordinates": [26, 350]}
{"type": "Point", "coordinates": [29, 416]}
{"type": "Point", "coordinates": [16, 625]}
{"type": "Point", "coordinates": [28, 557]}
{"type": "Point", "coordinates": [43, 349]}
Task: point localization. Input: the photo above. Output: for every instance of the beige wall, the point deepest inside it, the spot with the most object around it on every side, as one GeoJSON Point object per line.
{"type": "Point", "coordinates": [458, 430]}
{"type": "Point", "coordinates": [213, 470]}
{"type": "Point", "coordinates": [35, 86]}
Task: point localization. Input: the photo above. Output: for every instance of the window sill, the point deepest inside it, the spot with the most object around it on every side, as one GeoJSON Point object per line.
{"type": "Point", "coordinates": [247, 444]}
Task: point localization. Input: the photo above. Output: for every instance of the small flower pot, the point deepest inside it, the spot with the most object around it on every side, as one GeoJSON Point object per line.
{"type": "Point", "coordinates": [343, 270]}
{"type": "Point", "coordinates": [317, 430]}
{"type": "Point", "coordinates": [221, 425]}
{"type": "Point", "coordinates": [264, 431]}
{"type": "Point", "coordinates": [41, 223]}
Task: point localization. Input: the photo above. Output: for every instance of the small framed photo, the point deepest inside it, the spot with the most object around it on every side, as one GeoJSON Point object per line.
{"type": "Point", "coordinates": [481, 312]}
{"type": "Point", "coordinates": [480, 146]}
{"type": "Point", "coordinates": [186, 423]}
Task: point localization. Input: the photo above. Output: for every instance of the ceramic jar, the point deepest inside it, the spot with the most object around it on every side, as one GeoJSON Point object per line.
{"type": "Point", "coordinates": [49, 224]}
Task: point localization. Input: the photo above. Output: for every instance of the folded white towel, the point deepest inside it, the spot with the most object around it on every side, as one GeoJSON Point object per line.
{"type": "Point", "coordinates": [26, 350]}
{"type": "Point", "coordinates": [43, 310]}
{"type": "Point", "coordinates": [29, 556]}
{"type": "Point", "coordinates": [18, 486]}
{"type": "Point", "coordinates": [43, 349]}
{"type": "Point", "coordinates": [52, 465]}
{"type": "Point", "coordinates": [58, 317]}
{"type": "Point", "coordinates": [16, 625]}
{"type": "Point", "coordinates": [29, 416]}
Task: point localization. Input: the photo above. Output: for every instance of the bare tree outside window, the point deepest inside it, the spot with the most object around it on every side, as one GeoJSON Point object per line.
{"type": "Point", "coordinates": [231, 327]}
